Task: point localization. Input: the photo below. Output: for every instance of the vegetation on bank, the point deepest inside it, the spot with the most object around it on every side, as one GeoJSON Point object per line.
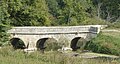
{"type": "Point", "coordinates": [10, 56]}
{"type": "Point", "coordinates": [107, 42]}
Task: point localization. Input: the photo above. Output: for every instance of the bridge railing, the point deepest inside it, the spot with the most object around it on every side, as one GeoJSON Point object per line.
{"type": "Point", "coordinates": [63, 29]}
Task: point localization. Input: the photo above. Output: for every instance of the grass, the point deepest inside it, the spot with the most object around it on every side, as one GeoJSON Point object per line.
{"type": "Point", "coordinates": [11, 56]}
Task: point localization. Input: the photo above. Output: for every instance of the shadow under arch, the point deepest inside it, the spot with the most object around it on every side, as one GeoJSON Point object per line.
{"type": "Point", "coordinates": [17, 43]}
{"type": "Point", "coordinates": [77, 43]}
{"type": "Point", "coordinates": [46, 43]}
{"type": "Point", "coordinates": [40, 43]}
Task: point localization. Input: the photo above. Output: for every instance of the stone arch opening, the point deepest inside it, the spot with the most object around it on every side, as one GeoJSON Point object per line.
{"type": "Point", "coordinates": [40, 44]}
{"type": "Point", "coordinates": [78, 43]}
{"type": "Point", "coordinates": [47, 44]}
{"type": "Point", "coordinates": [17, 43]}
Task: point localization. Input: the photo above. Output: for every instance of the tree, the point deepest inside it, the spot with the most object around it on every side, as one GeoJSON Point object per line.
{"type": "Point", "coordinates": [27, 12]}
{"type": "Point", "coordinates": [107, 9]}
{"type": "Point", "coordinates": [4, 23]}
{"type": "Point", "coordinates": [72, 12]}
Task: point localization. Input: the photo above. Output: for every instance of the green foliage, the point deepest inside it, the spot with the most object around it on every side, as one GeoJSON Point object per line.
{"type": "Point", "coordinates": [4, 24]}
{"type": "Point", "coordinates": [94, 21]}
{"type": "Point", "coordinates": [68, 12]}
{"type": "Point", "coordinates": [3, 35]}
{"type": "Point", "coordinates": [56, 12]}
{"type": "Point", "coordinates": [27, 13]}
{"type": "Point", "coordinates": [114, 25]}
{"type": "Point", "coordinates": [72, 13]}
{"type": "Point", "coordinates": [52, 45]}
{"type": "Point", "coordinates": [109, 9]}
{"type": "Point", "coordinates": [105, 44]}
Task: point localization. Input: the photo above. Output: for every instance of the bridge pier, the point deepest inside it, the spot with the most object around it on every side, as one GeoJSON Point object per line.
{"type": "Point", "coordinates": [31, 44]}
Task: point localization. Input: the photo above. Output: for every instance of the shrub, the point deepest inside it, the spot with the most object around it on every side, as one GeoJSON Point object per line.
{"type": "Point", "coordinates": [104, 44]}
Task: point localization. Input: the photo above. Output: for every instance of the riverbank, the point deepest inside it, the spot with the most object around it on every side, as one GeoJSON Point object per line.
{"type": "Point", "coordinates": [11, 56]}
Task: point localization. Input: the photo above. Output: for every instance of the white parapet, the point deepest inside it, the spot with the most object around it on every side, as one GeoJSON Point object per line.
{"type": "Point", "coordinates": [56, 29]}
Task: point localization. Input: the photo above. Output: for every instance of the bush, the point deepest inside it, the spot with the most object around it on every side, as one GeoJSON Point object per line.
{"type": "Point", "coordinates": [114, 25]}
{"type": "Point", "coordinates": [104, 44]}
{"type": "Point", "coordinates": [94, 21]}
{"type": "Point", "coordinates": [4, 36]}
{"type": "Point", "coordinates": [52, 44]}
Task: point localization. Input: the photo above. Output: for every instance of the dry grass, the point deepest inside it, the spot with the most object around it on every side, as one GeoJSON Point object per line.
{"type": "Point", "coordinates": [10, 56]}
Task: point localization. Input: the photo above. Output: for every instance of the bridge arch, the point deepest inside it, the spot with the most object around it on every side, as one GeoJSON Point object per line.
{"type": "Point", "coordinates": [17, 43]}
{"type": "Point", "coordinates": [77, 43]}
{"type": "Point", "coordinates": [46, 43]}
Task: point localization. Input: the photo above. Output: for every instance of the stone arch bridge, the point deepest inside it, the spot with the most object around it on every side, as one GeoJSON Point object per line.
{"type": "Point", "coordinates": [32, 35]}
